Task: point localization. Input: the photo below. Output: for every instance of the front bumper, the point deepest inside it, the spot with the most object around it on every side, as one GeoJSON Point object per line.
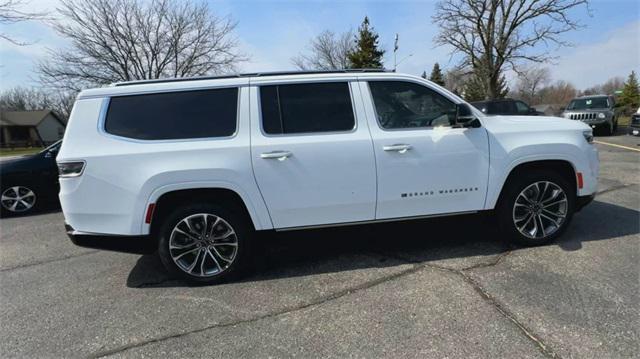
{"type": "Point", "coordinates": [127, 244]}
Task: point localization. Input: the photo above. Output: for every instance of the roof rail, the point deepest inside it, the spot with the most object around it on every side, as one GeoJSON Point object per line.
{"type": "Point", "coordinates": [253, 74]}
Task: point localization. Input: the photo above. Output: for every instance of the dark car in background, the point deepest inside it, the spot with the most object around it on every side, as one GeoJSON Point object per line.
{"type": "Point", "coordinates": [506, 106]}
{"type": "Point", "coordinates": [634, 125]}
{"type": "Point", "coordinates": [597, 111]}
{"type": "Point", "coordinates": [29, 182]}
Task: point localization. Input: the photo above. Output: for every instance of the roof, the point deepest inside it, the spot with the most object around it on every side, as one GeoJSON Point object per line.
{"type": "Point", "coordinates": [26, 118]}
{"type": "Point", "coordinates": [590, 96]}
{"type": "Point", "coordinates": [182, 84]}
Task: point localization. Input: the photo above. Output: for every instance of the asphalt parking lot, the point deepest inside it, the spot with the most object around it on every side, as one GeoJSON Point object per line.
{"type": "Point", "coordinates": [437, 288]}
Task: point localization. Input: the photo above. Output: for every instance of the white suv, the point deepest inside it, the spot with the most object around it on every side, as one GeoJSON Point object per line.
{"type": "Point", "coordinates": [196, 166]}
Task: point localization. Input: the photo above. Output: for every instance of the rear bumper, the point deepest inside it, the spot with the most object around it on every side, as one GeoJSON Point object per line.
{"type": "Point", "coordinates": [582, 201]}
{"type": "Point", "coordinates": [127, 244]}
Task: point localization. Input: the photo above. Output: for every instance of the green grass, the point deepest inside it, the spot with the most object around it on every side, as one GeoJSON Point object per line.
{"type": "Point", "coordinates": [4, 152]}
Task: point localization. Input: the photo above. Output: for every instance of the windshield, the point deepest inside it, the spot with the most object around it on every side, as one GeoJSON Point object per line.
{"type": "Point", "coordinates": [588, 103]}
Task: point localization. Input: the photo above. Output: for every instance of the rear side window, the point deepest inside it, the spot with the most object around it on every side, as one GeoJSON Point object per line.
{"type": "Point", "coordinates": [304, 108]}
{"type": "Point", "coordinates": [174, 115]}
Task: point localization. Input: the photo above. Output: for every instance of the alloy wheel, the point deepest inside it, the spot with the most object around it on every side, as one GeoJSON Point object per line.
{"type": "Point", "coordinates": [540, 210]}
{"type": "Point", "coordinates": [18, 199]}
{"type": "Point", "coordinates": [203, 245]}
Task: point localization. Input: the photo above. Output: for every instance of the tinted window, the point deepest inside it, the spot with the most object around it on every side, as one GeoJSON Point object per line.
{"type": "Point", "coordinates": [500, 108]}
{"type": "Point", "coordinates": [174, 115]}
{"type": "Point", "coordinates": [405, 105]}
{"type": "Point", "coordinates": [300, 108]}
{"type": "Point", "coordinates": [522, 107]}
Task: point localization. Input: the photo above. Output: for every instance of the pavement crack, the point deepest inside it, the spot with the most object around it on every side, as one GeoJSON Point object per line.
{"type": "Point", "coordinates": [614, 188]}
{"type": "Point", "coordinates": [501, 308]}
{"type": "Point", "coordinates": [47, 261]}
{"type": "Point", "coordinates": [317, 302]}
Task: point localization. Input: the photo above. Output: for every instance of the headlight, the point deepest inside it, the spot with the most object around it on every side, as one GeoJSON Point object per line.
{"type": "Point", "coordinates": [588, 135]}
{"type": "Point", "coordinates": [70, 169]}
{"type": "Point", "coordinates": [601, 115]}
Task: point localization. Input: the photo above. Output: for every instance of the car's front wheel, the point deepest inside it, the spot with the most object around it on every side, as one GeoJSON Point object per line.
{"type": "Point", "coordinates": [17, 199]}
{"type": "Point", "coordinates": [536, 207]}
{"type": "Point", "coordinates": [204, 243]}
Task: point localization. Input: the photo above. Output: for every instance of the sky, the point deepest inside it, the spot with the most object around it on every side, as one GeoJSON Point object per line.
{"type": "Point", "coordinates": [270, 33]}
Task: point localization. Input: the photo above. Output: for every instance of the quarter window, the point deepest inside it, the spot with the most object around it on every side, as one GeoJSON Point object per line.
{"type": "Point", "coordinates": [409, 105]}
{"type": "Point", "coordinates": [304, 108]}
{"type": "Point", "coordinates": [174, 115]}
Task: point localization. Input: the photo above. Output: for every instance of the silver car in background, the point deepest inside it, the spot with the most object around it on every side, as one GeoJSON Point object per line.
{"type": "Point", "coordinates": [597, 111]}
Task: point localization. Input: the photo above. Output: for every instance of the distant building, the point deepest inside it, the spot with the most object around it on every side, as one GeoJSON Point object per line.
{"type": "Point", "coordinates": [30, 128]}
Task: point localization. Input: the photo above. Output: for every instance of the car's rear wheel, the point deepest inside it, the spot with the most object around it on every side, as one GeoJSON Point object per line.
{"type": "Point", "coordinates": [204, 243]}
{"type": "Point", "coordinates": [536, 207]}
{"type": "Point", "coordinates": [16, 199]}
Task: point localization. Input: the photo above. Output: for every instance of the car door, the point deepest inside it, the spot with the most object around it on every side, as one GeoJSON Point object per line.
{"type": "Point", "coordinates": [311, 154]}
{"type": "Point", "coordinates": [425, 166]}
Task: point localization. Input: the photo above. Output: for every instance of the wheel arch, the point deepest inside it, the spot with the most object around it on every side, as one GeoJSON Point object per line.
{"type": "Point", "coordinates": [167, 197]}
{"type": "Point", "coordinates": [562, 166]}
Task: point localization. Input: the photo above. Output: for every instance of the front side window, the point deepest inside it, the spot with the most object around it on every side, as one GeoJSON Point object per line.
{"type": "Point", "coordinates": [306, 108]}
{"type": "Point", "coordinates": [174, 115]}
{"type": "Point", "coordinates": [407, 105]}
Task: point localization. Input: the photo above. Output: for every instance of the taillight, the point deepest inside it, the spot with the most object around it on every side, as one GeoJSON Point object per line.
{"type": "Point", "coordinates": [70, 169]}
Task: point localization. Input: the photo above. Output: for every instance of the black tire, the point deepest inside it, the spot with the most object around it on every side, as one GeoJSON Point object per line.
{"type": "Point", "coordinates": [607, 129]}
{"type": "Point", "coordinates": [5, 210]}
{"type": "Point", "coordinates": [516, 184]}
{"type": "Point", "coordinates": [234, 218]}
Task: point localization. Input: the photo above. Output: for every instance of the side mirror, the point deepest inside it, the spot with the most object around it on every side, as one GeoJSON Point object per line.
{"type": "Point", "coordinates": [465, 117]}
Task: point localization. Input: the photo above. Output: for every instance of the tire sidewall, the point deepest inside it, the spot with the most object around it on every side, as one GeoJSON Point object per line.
{"type": "Point", "coordinates": [515, 186]}
{"type": "Point", "coordinates": [236, 220]}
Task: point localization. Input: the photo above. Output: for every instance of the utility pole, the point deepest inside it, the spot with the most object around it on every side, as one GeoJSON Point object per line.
{"type": "Point", "coordinates": [395, 50]}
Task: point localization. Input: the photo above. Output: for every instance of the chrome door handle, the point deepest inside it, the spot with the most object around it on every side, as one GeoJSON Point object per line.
{"type": "Point", "coordinates": [278, 155]}
{"type": "Point", "coordinates": [400, 148]}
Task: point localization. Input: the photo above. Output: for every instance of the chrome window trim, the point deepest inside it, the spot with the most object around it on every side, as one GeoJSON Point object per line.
{"type": "Point", "coordinates": [107, 100]}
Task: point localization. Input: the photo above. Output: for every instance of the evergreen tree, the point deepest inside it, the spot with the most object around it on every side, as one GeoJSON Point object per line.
{"type": "Point", "coordinates": [366, 53]}
{"type": "Point", "coordinates": [436, 75]}
{"type": "Point", "coordinates": [630, 96]}
{"type": "Point", "coordinates": [476, 88]}
{"type": "Point", "coordinates": [424, 75]}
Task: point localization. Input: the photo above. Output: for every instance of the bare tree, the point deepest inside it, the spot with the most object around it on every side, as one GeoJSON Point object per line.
{"type": "Point", "coordinates": [327, 51]}
{"type": "Point", "coordinates": [561, 92]}
{"type": "Point", "coordinates": [530, 81]}
{"type": "Point", "coordinates": [497, 35]}
{"type": "Point", "coordinates": [11, 13]}
{"type": "Point", "coordinates": [123, 40]}
{"type": "Point", "coordinates": [30, 99]}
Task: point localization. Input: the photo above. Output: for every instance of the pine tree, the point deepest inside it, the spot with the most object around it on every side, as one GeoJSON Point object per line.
{"type": "Point", "coordinates": [424, 75]}
{"type": "Point", "coordinates": [477, 88]}
{"type": "Point", "coordinates": [474, 89]}
{"type": "Point", "coordinates": [366, 53]}
{"type": "Point", "coordinates": [436, 75]}
{"type": "Point", "coordinates": [630, 96]}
